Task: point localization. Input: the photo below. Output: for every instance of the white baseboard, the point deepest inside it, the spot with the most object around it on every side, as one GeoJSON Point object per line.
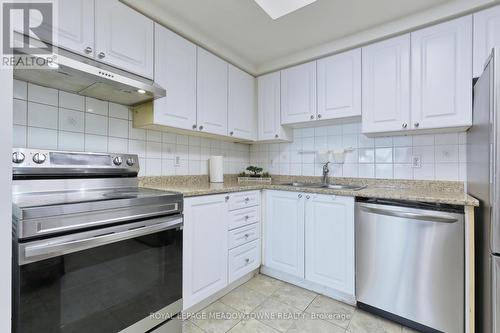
{"type": "Point", "coordinates": [332, 293]}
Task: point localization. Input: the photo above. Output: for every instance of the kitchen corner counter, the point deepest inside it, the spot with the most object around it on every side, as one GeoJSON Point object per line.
{"type": "Point", "coordinates": [423, 191]}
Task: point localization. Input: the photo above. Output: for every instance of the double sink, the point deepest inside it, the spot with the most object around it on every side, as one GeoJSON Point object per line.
{"type": "Point", "coordinates": [330, 186]}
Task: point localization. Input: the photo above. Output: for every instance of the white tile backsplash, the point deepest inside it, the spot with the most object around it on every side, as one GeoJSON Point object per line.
{"type": "Point", "coordinates": [371, 157]}
{"type": "Point", "coordinates": [64, 121]}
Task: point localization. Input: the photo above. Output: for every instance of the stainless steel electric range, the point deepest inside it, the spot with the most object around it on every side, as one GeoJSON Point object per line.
{"type": "Point", "coordinates": [92, 252]}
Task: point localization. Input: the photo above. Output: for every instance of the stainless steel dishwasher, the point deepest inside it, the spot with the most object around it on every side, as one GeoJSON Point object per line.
{"type": "Point", "coordinates": [410, 263]}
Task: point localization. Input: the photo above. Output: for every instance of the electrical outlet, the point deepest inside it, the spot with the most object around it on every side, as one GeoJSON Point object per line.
{"type": "Point", "coordinates": [177, 161]}
{"type": "Point", "coordinates": [416, 161]}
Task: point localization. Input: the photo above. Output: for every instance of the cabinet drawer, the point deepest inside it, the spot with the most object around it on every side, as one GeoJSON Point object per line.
{"type": "Point", "coordinates": [246, 216]}
{"type": "Point", "coordinates": [243, 260]}
{"type": "Point", "coordinates": [244, 235]}
{"type": "Point", "coordinates": [244, 199]}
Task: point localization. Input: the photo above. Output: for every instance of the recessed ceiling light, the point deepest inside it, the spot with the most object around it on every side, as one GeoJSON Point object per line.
{"type": "Point", "coordinates": [278, 8]}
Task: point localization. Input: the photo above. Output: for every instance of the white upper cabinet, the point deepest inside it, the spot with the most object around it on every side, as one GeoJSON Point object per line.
{"type": "Point", "coordinates": [486, 36]}
{"type": "Point", "coordinates": [75, 26]}
{"type": "Point", "coordinates": [284, 232]}
{"type": "Point", "coordinates": [123, 37]}
{"type": "Point", "coordinates": [386, 85]}
{"type": "Point", "coordinates": [298, 93]}
{"type": "Point", "coordinates": [329, 241]}
{"type": "Point", "coordinates": [175, 70]}
{"type": "Point", "coordinates": [268, 106]}
{"type": "Point", "coordinates": [339, 85]}
{"type": "Point", "coordinates": [212, 93]}
{"type": "Point", "coordinates": [442, 75]}
{"type": "Point", "coordinates": [205, 260]}
{"type": "Point", "coordinates": [242, 111]}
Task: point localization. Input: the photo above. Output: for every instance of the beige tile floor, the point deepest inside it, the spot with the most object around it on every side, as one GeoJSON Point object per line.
{"type": "Point", "coordinates": [267, 305]}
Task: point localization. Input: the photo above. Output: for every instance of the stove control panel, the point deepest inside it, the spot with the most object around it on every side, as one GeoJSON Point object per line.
{"type": "Point", "coordinates": [55, 163]}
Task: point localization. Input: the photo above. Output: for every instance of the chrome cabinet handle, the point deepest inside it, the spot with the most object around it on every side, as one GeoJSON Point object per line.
{"type": "Point", "coordinates": [88, 50]}
{"type": "Point", "coordinates": [300, 196]}
{"type": "Point", "coordinates": [101, 55]}
{"type": "Point", "coordinates": [417, 124]}
{"type": "Point", "coordinates": [405, 125]}
{"type": "Point", "coordinates": [312, 116]}
{"type": "Point", "coordinates": [409, 215]}
{"type": "Point", "coordinates": [319, 116]}
{"type": "Point", "coordinates": [201, 128]}
{"type": "Point", "coordinates": [194, 126]}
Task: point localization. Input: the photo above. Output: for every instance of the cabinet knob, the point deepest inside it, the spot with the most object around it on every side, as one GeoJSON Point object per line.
{"type": "Point", "coordinates": [312, 116]}
{"type": "Point", "coordinates": [247, 199]}
{"type": "Point", "coordinates": [194, 126]}
{"type": "Point", "coordinates": [319, 116]}
{"type": "Point", "coordinates": [227, 198]}
{"type": "Point", "coordinates": [416, 124]}
{"type": "Point", "coordinates": [101, 55]}
{"type": "Point", "coordinates": [276, 136]}
{"type": "Point", "coordinates": [247, 235]}
{"type": "Point", "coordinates": [247, 217]}
{"type": "Point", "coordinates": [231, 133]}
{"type": "Point", "coordinates": [308, 197]}
{"type": "Point", "coordinates": [88, 50]}
{"type": "Point", "coordinates": [405, 125]}
{"type": "Point", "coordinates": [247, 260]}
{"type": "Point", "coordinates": [201, 128]}
{"type": "Point", "coordinates": [300, 196]}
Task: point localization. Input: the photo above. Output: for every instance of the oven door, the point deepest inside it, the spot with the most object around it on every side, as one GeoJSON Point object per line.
{"type": "Point", "coordinates": [104, 280]}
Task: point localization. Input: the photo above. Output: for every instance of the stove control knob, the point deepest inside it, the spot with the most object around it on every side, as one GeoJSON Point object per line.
{"type": "Point", "coordinates": [130, 162]}
{"type": "Point", "coordinates": [117, 160]}
{"type": "Point", "coordinates": [17, 157]}
{"type": "Point", "coordinates": [39, 158]}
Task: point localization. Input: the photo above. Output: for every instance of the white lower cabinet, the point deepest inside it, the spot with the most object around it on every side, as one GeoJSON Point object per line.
{"type": "Point", "coordinates": [284, 232]}
{"type": "Point", "coordinates": [217, 249]}
{"type": "Point", "coordinates": [205, 247]}
{"type": "Point", "coordinates": [309, 241]}
{"type": "Point", "coordinates": [329, 241]}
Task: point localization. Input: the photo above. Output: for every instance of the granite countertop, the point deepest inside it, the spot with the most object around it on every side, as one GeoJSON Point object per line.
{"type": "Point", "coordinates": [423, 191]}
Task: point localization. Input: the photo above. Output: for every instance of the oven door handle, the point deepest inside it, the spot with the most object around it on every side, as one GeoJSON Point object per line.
{"type": "Point", "coordinates": [53, 248]}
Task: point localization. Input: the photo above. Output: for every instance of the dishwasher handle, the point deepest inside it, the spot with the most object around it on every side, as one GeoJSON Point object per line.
{"type": "Point", "coordinates": [409, 215]}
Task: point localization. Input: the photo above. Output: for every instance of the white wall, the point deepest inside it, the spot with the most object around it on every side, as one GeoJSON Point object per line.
{"type": "Point", "coordinates": [5, 198]}
{"type": "Point", "coordinates": [50, 119]}
{"type": "Point", "coordinates": [442, 155]}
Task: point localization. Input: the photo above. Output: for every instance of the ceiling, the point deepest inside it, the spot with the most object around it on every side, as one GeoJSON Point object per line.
{"type": "Point", "coordinates": [242, 33]}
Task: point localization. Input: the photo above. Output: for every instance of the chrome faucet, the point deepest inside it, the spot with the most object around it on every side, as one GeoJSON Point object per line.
{"type": "Point", "coordinates": [326, 170]}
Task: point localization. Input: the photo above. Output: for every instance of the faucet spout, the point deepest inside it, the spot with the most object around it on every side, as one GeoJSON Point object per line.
{"type": "Point", "coordinates": [326, 171]}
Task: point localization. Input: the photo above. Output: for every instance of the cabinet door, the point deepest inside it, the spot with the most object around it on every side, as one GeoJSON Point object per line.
{"type": "Point", "coordinates": [284, 232]}
{"type": "Point", "coordinates": [386, 85]}
{"type": "Point", "coordinates": [175, 70]}
{"type": "Point", "coordinates": [205, 247]}
{"type": "Point", "coordinates": [242, 113]}
{"type": "Point", "coordinates": [212, 93]}
{"type": "Point", "coordinates": [442, 75]}
{"type": "Point", "coordinates": [330, 241]}
{"type": "Point", "coordinates": [486, 36]}
{"type": "Point", "coordinates": [123, 37]}
{"type": "Point", "coordinates": [269, 106]}
{"type": "Point", "coordinates": [75, 27]}
{"type": "Point", "coordinates": [339, 85]}
{"type": "Point", "coordinates": [298, 94]}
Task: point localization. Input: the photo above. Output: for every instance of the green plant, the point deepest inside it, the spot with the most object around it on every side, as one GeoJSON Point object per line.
{"type": "Point", "coordinates": [255, 171]}
{"type": "Point", "coordinates": [266, 175]}
{"type": "Point", "coordinates": [242, 174]}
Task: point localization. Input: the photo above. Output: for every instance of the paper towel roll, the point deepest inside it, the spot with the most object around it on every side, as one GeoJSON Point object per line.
{"type": "Point", "coordinates": [216, 167]}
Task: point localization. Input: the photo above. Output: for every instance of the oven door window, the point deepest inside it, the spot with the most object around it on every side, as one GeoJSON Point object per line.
{"type": "Point", "coordinates": [102, 289]}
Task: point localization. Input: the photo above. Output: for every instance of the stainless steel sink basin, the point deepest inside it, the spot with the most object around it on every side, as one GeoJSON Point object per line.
{"type": "Point", "coordinates": [330, 186]}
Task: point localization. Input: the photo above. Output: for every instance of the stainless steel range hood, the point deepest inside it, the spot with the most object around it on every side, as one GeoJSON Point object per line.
{"type": "Point", "coordinates": [87, 77]}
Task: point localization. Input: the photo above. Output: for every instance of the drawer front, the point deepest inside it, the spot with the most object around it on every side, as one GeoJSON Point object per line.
{"type": "Point", "coordinates": [243, 260]}
{"type": "Point", "coordinates": [244, 199]}
{"type": "Point", "coordinates": [243, 217]}
{"type": "Point", "coordinates": [244, 235]}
